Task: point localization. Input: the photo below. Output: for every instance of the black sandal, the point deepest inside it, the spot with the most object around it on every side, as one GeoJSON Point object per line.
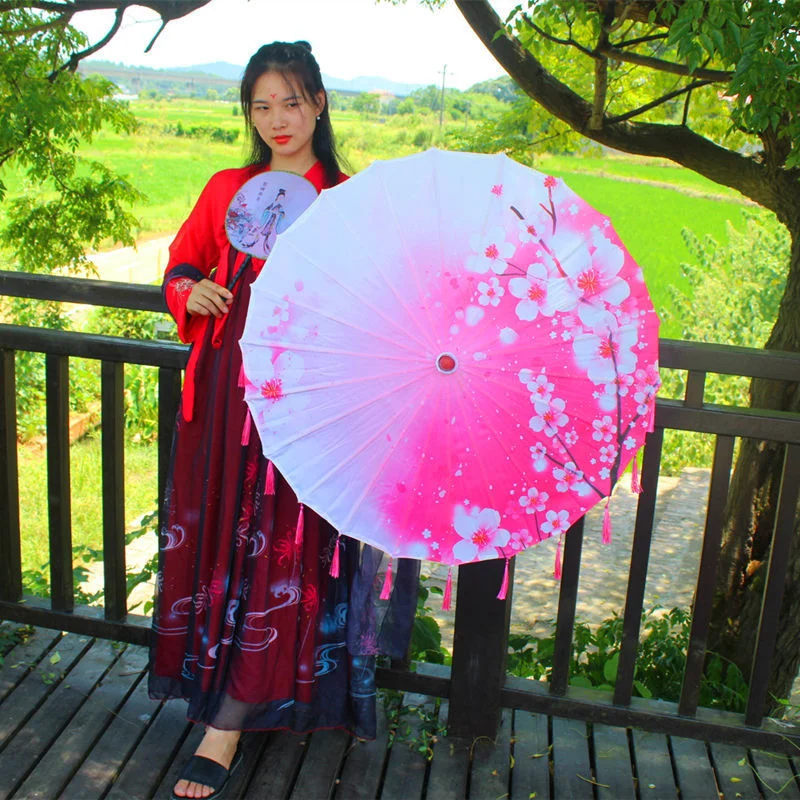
{"type": "Point", "coordinates": [208, 772]}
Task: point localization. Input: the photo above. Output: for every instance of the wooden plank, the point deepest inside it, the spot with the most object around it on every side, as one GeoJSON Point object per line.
{"type": "Point", "coordinates": [637, 572]}
{"type": "Point", "coordinates": [693, 770]}
{"type": "Point", "coordinates": [406, 768]}
{"type": "Point", "coordinates": [10, 551]}
{"type": "Point", "coordinates": [106, 759]}
{"type": "Point", "coordinates": [363, 766]}
{"type": "Point", "coordinates": [774, 773]}
{"type": "Point", "coordinates": [54, 770]}
{"type": "Point", "coordinates": [653, 766]}
{"type": "Point", "coordinates": [567, 602]}
{"type": "Point", "coordinates": [449, 770]}
{"type": "Point", "coordinates": [252, 746]}
{"type": "Point", "coordinates": [572, 770]}
{"type": "Point", "coordinates": [321, 766]}
{"type": "Point", "coordinates": [530, 775]}
{"type": "Point", "coordinates": [22, 658]}
{"type": "Point", "coordinates": [612, 760]}
{"type": "Point", "coordinates": [278, 765]}
{"type": "Point", "coordinates": [42, 729]}
{"type": "Point", "coordinates": [186, 750]}
{"type": "Point", "coordinates": [705, 587]}
{"type": "Point", "coordinates": [38, 684]}
{"type": "Point", "coordinates": [113, 489]}
{"type": "Point", "coordinates": [145, 768]}
{"type": "Point", "coordinates": [491, 762]}
{"type": "Point", "coordinates": [734, 773]}
{"type": "Point", "coordinates": [58, 482]}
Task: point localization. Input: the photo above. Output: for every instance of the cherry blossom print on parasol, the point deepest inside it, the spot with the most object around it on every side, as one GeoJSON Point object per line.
{"type": "Point", "coordinates": [265, 206]}
{"type": "Point", "coordinates": [451, 357]}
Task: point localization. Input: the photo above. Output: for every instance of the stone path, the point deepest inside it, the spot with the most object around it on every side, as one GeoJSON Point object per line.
{"type": "Point", "coordinates": [672, 573]}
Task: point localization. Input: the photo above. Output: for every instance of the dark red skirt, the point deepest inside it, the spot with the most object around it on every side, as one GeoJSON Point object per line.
{"type": "Point", "coordinates": [249, 626]}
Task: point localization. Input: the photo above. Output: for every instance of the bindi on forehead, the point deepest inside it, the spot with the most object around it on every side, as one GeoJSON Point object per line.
{"type": "Point", "coordinates": [274, 95]}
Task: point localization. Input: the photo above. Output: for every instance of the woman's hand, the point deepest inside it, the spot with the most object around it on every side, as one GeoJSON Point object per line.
{"type": "Point", "coordinates": [207, 298]}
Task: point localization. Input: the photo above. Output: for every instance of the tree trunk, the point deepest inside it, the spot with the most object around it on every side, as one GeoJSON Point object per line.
{"type": "Point", "coordinates": [750, 517]}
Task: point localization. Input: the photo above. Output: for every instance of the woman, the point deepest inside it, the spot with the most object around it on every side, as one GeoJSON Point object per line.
{"type": "Point", "coordinates": [249, 625]}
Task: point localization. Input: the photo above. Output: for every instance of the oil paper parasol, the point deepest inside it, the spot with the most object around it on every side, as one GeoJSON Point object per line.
{"type": "Point", "coordinates": [451, 357]}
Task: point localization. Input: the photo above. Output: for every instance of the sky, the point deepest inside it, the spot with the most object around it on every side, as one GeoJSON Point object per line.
{"type": "Point", "coordinates": [350, 38]}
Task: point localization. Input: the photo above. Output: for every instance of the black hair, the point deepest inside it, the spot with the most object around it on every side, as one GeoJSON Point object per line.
{"type": "Point", "coordinates": [292, 60]}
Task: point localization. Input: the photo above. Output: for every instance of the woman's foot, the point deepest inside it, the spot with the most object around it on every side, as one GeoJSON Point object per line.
{"type": "Point", "coordinates": [217, 745]}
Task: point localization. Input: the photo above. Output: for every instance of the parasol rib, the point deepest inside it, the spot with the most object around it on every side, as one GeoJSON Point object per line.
{"type": "Point", "coordinates": [391, 322]}
{"type": "Point", "coordinates": [346, 323]}
{"type": "Point", "coordinates": [414, 272]}
{"type": "Point", "coordinates": [338, 417]}
{"type": "Point", "coordinates": [334, 384]}
{"type": "Point", "coordinates": [362, 446]}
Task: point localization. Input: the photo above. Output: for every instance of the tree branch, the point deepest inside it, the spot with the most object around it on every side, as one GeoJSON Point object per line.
{"type": "Point", "coordinates": [653, 37]}
{"type": "Point", "coordinates": [659, 101]}
{"type": "Point", "coordinates": [550, 38]}
{"type": "Point", "coordinates": [675, 142]}
{"type": "Point", "coordinates": [714, 75]}
{"type": "Point", "coordinates": [72, 64]}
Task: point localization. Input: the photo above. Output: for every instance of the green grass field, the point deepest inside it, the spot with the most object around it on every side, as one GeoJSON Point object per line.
{"type": "Point", "coordinates": [141, 494]}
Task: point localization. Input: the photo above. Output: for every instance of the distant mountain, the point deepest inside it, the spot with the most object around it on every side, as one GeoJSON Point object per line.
{"type": "Point", "coordinates": [220, 74]}
{"type": "Point", "coordinates": [223, 69]}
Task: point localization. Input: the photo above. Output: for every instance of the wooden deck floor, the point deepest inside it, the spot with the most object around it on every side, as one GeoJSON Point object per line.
{"type": "Point", "coordinates": [76, 722]}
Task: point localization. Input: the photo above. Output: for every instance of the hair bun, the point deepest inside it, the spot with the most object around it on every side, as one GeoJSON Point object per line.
{"type": "Point", "coordinates": [304, 44]}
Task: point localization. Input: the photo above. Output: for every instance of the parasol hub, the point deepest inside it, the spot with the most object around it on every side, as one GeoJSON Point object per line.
{"type": "Point", "coordinates": [446, 363]}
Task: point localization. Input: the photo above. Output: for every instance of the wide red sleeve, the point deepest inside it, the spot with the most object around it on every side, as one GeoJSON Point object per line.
{"type": "Point", "coordinates": [197, 247]}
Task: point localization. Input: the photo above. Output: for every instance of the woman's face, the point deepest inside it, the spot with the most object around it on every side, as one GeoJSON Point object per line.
{"type": "Point", "coordinates": [285, 120]}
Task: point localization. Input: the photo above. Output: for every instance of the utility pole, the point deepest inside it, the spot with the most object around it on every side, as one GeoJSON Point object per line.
{"type": "Point", "coordinates": [441, 102]}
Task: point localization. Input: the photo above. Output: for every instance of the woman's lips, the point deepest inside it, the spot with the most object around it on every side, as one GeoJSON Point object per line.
{"type": "Point", "coordinates": [281, 139]}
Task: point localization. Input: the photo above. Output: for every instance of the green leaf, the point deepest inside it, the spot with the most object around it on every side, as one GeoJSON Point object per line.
{"type": "Point", "coordinates": [55, 658]}
{"type": "Point", "coordinates": [610, 668]}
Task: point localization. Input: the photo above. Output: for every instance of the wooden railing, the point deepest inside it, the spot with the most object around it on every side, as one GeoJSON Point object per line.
{"type": "Point", "coordinates": [476, 684]}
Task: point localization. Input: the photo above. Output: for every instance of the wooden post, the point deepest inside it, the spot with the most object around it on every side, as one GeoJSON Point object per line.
{"type": "Point", "coordinates": [480, 644]}
{"type": "Point", "coordinates": [10, 556]}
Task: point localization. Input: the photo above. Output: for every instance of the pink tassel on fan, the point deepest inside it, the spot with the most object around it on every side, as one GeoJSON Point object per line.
{"type": "Point", "coordinates": [448, 591]}
{"type": "Point", "coordinates": [501, 595]}
{"type": "Point", "coordinates": [246, 430]}
{"type": "Point", "coordinates": [298, 534]}
{"type": "Point", "coordinates": [557, 565]}
{"type": "Point", "coordinates": [269, 484]}
{"type": "Point", "coordinates": [386, 592]}
{"type": "Point", "coordinates": [636, 486]}
{"type": "Point", "coordinates": [607, 523]}
{"type": "Point", "coordinates": [334, 571]}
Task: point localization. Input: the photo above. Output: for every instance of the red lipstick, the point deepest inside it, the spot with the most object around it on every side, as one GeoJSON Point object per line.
{"type": "Point", "coordinates": [281, 139]}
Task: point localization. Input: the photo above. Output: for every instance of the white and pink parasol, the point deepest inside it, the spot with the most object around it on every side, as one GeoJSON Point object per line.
{"type": "Point", "coordinates": [451, 357]}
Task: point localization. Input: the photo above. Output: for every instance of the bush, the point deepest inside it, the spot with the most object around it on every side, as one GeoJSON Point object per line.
{"type": "Point", "coordinates": [141, 382]}
{"type": "Point", "coordinates": [733, 298]}
{"type": "Point", "coordinates": [660, 661]}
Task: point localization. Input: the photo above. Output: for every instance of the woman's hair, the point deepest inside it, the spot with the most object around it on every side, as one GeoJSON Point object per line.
{"type": "Point", "coordinates": [293, 61]}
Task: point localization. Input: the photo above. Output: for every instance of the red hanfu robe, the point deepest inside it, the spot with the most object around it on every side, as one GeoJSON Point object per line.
{"type": "Point", "coordinates": [248, 625]}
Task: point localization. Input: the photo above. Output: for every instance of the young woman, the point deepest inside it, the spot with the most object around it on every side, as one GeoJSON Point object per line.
{"type": "Point", "coordinates": [249, 625]}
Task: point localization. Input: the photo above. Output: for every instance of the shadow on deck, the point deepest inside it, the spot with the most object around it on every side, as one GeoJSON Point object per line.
{"type": "Point", "coordinates": [76, 722]}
